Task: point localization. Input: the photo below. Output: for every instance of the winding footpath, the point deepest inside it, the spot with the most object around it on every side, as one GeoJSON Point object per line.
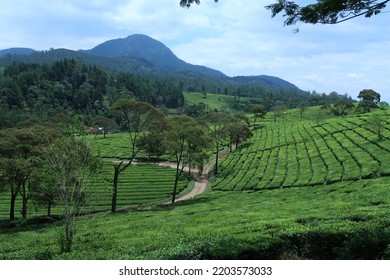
{"type": "Point", "coordinates": [201, 178]}
{"type": "Point", "coordinates": [201, 181]}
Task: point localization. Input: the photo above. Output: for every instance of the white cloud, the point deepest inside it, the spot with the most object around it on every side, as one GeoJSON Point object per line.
{"type": "Point", "coordinates": [355, 75]}
{"type": "Point", "coordinates": [237, 37]}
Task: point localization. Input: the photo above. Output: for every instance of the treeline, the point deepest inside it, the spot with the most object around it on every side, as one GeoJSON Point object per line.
{"type": "Point", "coordinates": [69, 86]}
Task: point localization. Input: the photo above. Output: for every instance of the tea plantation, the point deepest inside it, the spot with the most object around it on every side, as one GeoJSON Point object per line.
{"type": "Point", "coordinates": [298, 189]}
{"type": "Point", "coordinates": [303, 153]}
{"type": "Point", "coordinates": [138, 184]}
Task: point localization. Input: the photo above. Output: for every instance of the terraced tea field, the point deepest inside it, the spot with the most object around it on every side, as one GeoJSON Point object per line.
{"type": "Point", "coordinates": [302, 153]}
{"type": "Point", "coordinates": [139, 184]}
{"type": "Point", "coordinates": [296, 190]}
{"type": "Point", "coordinates": [348, 220]}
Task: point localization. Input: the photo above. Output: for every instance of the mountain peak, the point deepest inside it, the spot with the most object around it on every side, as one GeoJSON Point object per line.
{"type": "Point", "coordinates": [147, 48]}
{"type": "Point", "coordinates": [139, 46]}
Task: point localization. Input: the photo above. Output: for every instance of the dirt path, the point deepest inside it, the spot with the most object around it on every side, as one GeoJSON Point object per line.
{"type": "Point", "coordinates": [201, 179]}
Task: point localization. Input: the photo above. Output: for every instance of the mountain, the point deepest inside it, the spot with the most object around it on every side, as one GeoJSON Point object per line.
{"type": "Point", "coordinates": [141, 54]}
{"type": "Point", "coordinates": [144, 47]}
{"type": "Point", "coordinates": [16, 51]}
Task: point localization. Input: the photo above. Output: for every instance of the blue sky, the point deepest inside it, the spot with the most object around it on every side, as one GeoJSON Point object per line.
{"type": "Point", "coordinates": [237, 37]}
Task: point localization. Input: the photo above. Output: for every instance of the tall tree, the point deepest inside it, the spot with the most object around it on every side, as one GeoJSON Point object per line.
{"type": "Point", "coordinates": [19, 153]}
{"type": "Point", "coordinates": [71, 166]}
{"type": "Point", "coordinates": [185, 140]}
{"type": "Point", "coordinates": [258, 111]}
{"type": "Point", "coordinates": [138, 118]}
{"type": "Point", "coordinates": [217, 124]}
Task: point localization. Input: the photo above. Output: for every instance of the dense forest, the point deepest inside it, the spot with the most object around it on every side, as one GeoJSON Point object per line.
{"type": "Point", "coordinates": [37, 92]}
{"type": "Point", "coordinates": [41, 91]}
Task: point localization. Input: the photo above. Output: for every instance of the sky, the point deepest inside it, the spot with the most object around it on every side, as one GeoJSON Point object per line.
{"type": "Point", "coordinates": [237, 37]}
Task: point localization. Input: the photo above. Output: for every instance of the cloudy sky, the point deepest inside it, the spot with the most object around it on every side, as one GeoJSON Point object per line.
{"type": "Point", "coordinates": [237, 37]}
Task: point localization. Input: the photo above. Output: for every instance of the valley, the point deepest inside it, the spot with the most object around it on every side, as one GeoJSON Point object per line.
{"type": "Point", "coordinates": [96, 148]}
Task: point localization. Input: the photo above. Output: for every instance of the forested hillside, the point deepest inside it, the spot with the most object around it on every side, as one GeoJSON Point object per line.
{"type": "Point", "coordinates": [41, 91]}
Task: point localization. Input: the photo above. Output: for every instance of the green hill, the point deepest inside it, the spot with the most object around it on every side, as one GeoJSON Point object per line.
{"type": "Point", "coordinates": [299, 189]}
{"type": "Point", "coordinates": [348, 220]}
{"type": "Point", "coordinates": [303, 153]}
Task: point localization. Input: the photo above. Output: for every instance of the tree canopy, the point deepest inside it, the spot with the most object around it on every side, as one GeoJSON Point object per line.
{"type": "Point", "coordinates": [323, 11]}
{"type": "Point", "coordinates": [326, 11]}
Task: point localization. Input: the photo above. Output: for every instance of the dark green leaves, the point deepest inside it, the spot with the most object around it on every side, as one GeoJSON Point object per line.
{"type": "Point", "coordinates": [326, 11]}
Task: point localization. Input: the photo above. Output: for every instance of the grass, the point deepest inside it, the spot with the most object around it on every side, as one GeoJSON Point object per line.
{"type": "Point", "coordinates": [299, 189]}
{"type": "Point", "coordinates": [214, 101]}
{"type": "Point", "coordinates": [343, 220]}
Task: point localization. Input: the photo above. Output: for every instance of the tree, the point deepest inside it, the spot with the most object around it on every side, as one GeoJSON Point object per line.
{"type": "Point", "coordinates": [302, 109]}
{"type": "Point", "coordinates": [341, 107]}
{"type": "Point", "coordinates": [216, 124]}
{"type": "Point", "coordinates": [326, 11]}
{"type": "Point", "coordinates": [152, 144]}
{"type": "Point", "coordinates": [187, 3]}
{"type": "Point", "coordinates": [138, 117]}
{"type": "Point", "coordinates": [369, 99]}
{"type": "Point", "coordinates": [377, 124]}
{"type": "Point", "coordinates": [278, 112]}
{"type": "Point", "coordinates": [238, 132]}
{"type": "Point", "coordinates": [185, 140]}
{"type": "Point", "coordinates": [258, 111]}
{"type": "Point", "coordinates": [70, 165]}
{"type": "Point", "coordinates": [106, 124]}
{"type": "Point", "coordinates": [20, 150]}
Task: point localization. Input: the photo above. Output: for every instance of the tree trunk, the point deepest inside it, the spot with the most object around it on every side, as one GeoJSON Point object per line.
{"type": "Point", "coordinates": [12, 208]}
{"type": "Point", "coordinates": [14, 194]}
{"type": "Point", "coordinates": [69, 232]}
{"type": "Point", "coordinates": [176, 181]}
{"type": "Point", "coordinates": [216, 160]}
{"type": "Point", "coordinates": [237, 141]}
{"type": "Point", "coordinates": [24, 207]}
{"type": "Point", "coordinates": [115, 188]}
{"type": "Point", "coordinates": [24, 201]}
{"type": "Point", "coordinates": [49, 209]}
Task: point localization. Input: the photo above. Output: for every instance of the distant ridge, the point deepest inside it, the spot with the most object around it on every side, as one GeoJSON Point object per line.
{"type": "Point", "coordinates": [17, 51]}
{"type": "Point", "coordinates": [270, 81]}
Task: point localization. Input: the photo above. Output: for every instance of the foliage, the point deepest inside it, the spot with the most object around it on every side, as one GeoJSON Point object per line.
{"type": "Point", "coordinates": [70, 166]}
{"type": "Point", "coordinates": [323, 11]}
{"type": "Point", "coordinates": [377, 124]}
{"type": "Point", "coordinates": [187, 3]}
{"type": "Point", "coordinates": [20, 152]}
{"type": "Point", "coordinates": [258, 111]}
{"type": "Point", "coordinates": [185, 140]}
{"type": "Point", "coordinates": [70, 87]}
{"type": "Point", "coordinates": [369, 99]}
{"type": "Point", "coordinates": [341, 107]}
{"type": "Point", "coordinates": [217, 124]}
{"type": "Point", "coordinates": [326, 11]}
{"type": "Point", "coordinates": [138, 118]}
